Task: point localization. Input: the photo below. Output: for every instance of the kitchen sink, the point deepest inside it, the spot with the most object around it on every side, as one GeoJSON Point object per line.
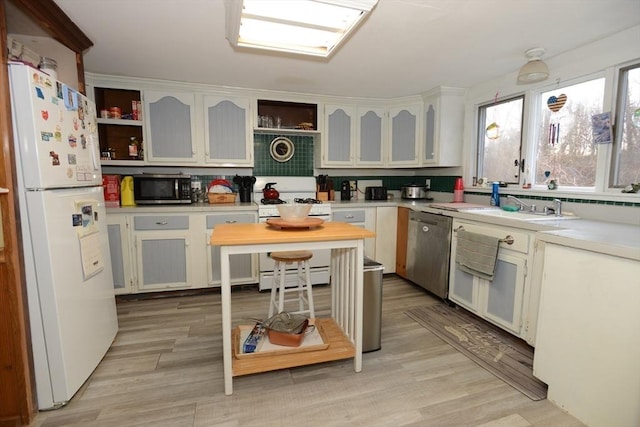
{"type": "Point", "coordinates": [518, 215]}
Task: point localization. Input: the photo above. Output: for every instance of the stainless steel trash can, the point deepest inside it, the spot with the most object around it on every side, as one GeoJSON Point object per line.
{"type": "Point", "coordinates": [372, 305]}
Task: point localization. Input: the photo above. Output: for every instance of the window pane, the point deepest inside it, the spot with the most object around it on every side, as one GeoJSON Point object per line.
{"type": "Point", "coordinates": [499, 140]}
{"type": "Point", "coordinates": [626, 160]}
{"type": "Point", "coordinates": [565, 145]}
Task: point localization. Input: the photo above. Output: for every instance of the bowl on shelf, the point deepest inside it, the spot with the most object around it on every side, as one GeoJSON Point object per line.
{"type": "Point", "coordinates": [294, 212]}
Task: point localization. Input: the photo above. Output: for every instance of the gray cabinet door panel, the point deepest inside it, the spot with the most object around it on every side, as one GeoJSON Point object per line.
{"type": "Point", "coordinates": [502, 289]}
{"type": "Point", "coordinates": [170, 126]}
{"type": "Point", "coordinates": [227, 136]}
{"type": "Point", "coordinates": [403, 137]}
{"type": "Point", "coordinates": [117, 257]}
{"type": "Point", "coordinates": [430, 133]}
{"type": "Point", "coordinates": [462, 289]}
{"type": "Point", "coordinates": [370, 137]}
{"type": "Point", "coordinates": [164, 261]}
{"type": "Point", "coordinates": [339, 136]}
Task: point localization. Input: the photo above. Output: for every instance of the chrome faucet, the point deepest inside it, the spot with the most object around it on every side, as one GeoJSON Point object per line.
{"type": "Point", "coordinates": [555, 209]}
{"type": "Point", "coordinates": [522, 205]}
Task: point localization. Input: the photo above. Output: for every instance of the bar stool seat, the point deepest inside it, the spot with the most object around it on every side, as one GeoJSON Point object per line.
{"type": "Point", "coordinates": [279, 289]}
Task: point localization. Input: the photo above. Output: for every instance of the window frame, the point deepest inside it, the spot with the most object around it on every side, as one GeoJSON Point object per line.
{"type": "Point", "coordinates": [535, 128]}
{"type": "Point", "coordinates": [480, 134]}
{"type": "Point", "coordinates": [620, 93]}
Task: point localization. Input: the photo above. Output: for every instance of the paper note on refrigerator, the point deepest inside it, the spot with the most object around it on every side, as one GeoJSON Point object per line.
{"type": "Point", "coordinates": [92, 260]}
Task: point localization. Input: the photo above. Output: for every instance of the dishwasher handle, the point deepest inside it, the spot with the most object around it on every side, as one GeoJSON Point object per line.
{"type": "Point", "coordinates": [424, 221]}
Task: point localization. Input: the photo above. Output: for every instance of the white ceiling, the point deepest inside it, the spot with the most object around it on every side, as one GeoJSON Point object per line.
{"type": "Point", "coordinates": [406, 47]}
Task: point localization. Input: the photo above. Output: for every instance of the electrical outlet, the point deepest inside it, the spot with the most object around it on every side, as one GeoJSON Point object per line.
{"type": "Point", "coordinates": [352, 185]}
{"type": "Point", "coordinates": [427, 183]}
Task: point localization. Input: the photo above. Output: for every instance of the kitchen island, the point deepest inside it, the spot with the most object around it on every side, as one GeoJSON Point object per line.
{"type": "Point", "coordinates": [346, 242]}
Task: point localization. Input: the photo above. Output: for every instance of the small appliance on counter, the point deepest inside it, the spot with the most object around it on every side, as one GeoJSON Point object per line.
{"type": "Point", "coordinates": [162, 189]}
{"type": "Point", "coordinates": [375, 193]}
{"type": "Point", "coordinates": [414, 191]}
{"type": "Point", "coordinates": [345, 191]}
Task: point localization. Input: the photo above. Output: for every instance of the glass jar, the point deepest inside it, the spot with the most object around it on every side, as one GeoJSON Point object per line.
{"type": "Point", "coordinates": [49, 66]}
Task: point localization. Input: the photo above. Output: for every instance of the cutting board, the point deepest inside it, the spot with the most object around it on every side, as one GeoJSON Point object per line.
{"type": "Point", "coordinates": [457, 206]}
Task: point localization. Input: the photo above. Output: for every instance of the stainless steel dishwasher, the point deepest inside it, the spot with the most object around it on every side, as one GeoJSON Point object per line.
{"type": "Point", "coordinates": [428, 248]}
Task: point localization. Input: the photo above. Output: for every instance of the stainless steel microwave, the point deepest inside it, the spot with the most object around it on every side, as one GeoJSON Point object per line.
{"type": "Point", "coordinates": [161, 189]}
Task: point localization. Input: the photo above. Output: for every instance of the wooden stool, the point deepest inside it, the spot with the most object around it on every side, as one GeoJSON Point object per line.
{"type": "Point", "coordinates": [278, 287]}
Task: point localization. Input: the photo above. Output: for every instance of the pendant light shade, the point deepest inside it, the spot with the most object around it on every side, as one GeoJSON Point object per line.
{"type": "Point", "coordinates": [535, 70]}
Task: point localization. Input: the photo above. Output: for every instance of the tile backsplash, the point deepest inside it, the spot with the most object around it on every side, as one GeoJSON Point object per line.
{"type": "Point", "coordinates": [301, 164]}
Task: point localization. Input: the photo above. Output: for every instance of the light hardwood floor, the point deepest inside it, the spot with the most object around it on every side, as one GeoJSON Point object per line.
{"type": "Point", "coordinates": [165, 369]}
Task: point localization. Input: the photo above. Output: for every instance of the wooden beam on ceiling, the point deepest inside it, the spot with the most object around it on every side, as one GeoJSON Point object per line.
{"type": "Point", "coordinates": [55, 22]}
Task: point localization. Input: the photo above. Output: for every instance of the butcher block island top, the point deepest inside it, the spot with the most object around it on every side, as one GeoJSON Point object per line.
{"type": "Point", "coordinates": [251, 234]}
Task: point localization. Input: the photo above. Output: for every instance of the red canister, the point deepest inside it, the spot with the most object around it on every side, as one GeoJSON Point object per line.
{"type": "Point", "coordinates": [111, 184]}
{"type": "Point", "coordinates": [458, 190]}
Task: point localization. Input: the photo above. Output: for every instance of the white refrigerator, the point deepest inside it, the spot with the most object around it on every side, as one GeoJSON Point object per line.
{"type": "Point", "coordinates": [71, 302]}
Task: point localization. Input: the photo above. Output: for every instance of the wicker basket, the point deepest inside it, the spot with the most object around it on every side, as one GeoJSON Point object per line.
{"type": "Point", "coordinates": [221, 197]}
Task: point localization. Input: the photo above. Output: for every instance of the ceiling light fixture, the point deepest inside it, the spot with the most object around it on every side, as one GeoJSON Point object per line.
{"type": "Point", "coordinates": [307, 27]}
{"type": "Point", "coordinates": [535, 70]}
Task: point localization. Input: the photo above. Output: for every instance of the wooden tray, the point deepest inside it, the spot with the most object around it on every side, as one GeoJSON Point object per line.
{"type": "Point", "coordinates": [316, 340]}
{"type": "Point", "coordinates": [306, 223]}
{"type": "Point", "coordinates": [340, 347]}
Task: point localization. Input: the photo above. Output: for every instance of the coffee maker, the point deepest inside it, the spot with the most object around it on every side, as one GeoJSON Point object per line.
{"type": "Point", "coordinates": [345, 191]}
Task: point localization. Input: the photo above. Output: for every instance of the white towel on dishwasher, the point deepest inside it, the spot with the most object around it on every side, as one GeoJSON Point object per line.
{"type": "Point", "coordinates": [477, 253]}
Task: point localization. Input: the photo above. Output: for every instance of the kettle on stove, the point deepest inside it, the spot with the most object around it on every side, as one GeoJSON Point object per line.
{"type": "Point", "coordinates": [269, 192]}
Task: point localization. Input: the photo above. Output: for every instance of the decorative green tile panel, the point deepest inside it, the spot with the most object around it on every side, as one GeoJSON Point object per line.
{"type": "Point", "coordinates": [301, 164]}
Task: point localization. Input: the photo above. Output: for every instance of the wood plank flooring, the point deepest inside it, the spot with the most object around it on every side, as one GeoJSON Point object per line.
{"type": "Point", "coordinates": [165, 369]}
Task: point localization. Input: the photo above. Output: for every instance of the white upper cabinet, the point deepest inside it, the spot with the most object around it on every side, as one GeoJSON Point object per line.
{"type": "Point", "coordinates": [338, 136]}
{"type": "Point", "coordinates": [228, 131]}
{"type": "Point", "coordinates": [404, 135]}
{"type": "Point", "coordinates": [443, 123]}
{"type": "Point", "coordinates": [170, 127]}
{"type": "Point", "coordinates": [371, 129]}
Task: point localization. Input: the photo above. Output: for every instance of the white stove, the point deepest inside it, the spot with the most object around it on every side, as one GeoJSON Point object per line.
{"type": "Point", "coordinates": [290, 189]}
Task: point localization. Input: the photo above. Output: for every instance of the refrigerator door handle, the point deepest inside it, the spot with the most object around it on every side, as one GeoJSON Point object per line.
{"type": "Point", "coordinates": [94, 153]}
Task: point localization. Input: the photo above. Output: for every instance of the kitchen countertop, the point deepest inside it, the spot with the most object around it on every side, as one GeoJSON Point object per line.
{"type": "Point", "coordinates": [622, 240]}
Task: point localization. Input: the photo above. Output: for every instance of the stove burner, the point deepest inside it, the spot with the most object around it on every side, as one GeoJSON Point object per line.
{"type": "Point", "coordinates": [272, 201]}
{"type": "Point", "coordinates": [308, 200]}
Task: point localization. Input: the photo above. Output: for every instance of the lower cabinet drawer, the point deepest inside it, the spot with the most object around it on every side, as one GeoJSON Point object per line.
{"type": "Point", "coordinates": [213, 220]}
{"type": "Point", "coordinates": [349, 216]}
{"type": "Point", "coordinates": [161, 222]}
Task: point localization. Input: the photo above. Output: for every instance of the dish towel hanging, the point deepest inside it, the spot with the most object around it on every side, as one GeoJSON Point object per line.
{"type": "Point", "coordinates": [476, 254]}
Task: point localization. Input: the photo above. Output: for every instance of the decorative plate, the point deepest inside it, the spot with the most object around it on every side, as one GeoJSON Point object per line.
{"type": "Point", "coordinates": [281, 149]}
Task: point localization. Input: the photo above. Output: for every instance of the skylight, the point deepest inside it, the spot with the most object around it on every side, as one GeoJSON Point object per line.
{"type": "Point", "coordinates": [308, 27]}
